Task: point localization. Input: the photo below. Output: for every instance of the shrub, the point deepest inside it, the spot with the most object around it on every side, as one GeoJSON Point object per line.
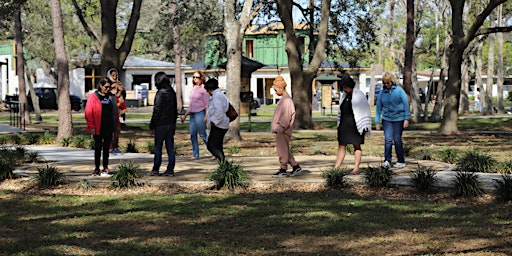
{"type": "Point", "coordinates": [65, 142]}
{"type": "Point", "coordinates": [32, 138]}
{"type": "Point", "coordinates": [424, 154]}
{"type": "Point", "coordinates": [467, 184]}
{"type": "Point", "coordinates": [33, 157]}
{"type": "Point", "coordinates": [49, 176]}
{"type": "Point", "coordinates": [335, 177]}
{"type": "Point", "coordinates": [85, 184]}
{"type": "Point", "coordinates": [19, 139]}
{"type": "Point", "coordinates": [150, 147]}
{"type": "Point", "coordinates": [9, 159]}
{"type": "Point", "coordinates": [20, 152]}
{"type": "Point", "coordinates": [131, 147]}
{"type": "Point", "coordinates": [47, 138]}
{"type": "Point", "coordinates": [504, 188]}
{"type": "Point", "coordinates": [233, 149]}
{"type": "Point", "coordinates": [3, 139]}
{"type": "Point", "coordinates": [378, 176]}
{"type": "Point", "coordinates": [90, 143]}
{"type": "Point", "coordinates": [423, 179]}
{"type": "Point", "coordinates": [127, 175]}
{"type": "Point", "coordinates": [505, 167]}
{"type": "Point", "coordinates": [449, 155]}
{"type": "Point", "coordinates": [473, 161]}
{"type": "Point", "coordinates": [79, 141]}
{"type": "Point", "coordinates": [229, 175]}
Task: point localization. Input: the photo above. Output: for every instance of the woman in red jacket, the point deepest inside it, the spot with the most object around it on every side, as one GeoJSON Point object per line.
{"type": "Point", "coordinates": [101, 117]}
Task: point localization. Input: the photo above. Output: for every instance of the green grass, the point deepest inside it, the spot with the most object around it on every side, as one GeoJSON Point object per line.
{"type": "Point", "coordinates": [290, 223]}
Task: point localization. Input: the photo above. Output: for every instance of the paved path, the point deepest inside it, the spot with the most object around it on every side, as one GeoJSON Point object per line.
{"type": "Point", "coordinates": [77, 164]}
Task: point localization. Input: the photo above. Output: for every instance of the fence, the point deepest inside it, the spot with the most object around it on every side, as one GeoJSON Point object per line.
{"type": "Point", "coordinates": [16, 114]}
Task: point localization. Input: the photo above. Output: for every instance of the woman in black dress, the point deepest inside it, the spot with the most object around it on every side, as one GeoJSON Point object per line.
{"type": "Point", "coordinates": [354, 122]}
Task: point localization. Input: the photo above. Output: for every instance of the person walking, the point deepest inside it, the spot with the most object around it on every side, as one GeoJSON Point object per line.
{"type": "Point", "coordinates": [217, 118]}
{"type": "Point", "coordinates": [354, 122]}
{"type": "Point", "coordinates": [393, 110]}
{"type": "Point", "coordinates": [197, 109]}
{"type": "Point", "coordinates": [478, 103]}
{"type": "Point", "coordinates": [282, 126]}
{"type": "Point", "coordinates": [117, 89]}
{"type": "Point", "coordinates": [101, 118]}
{"type": "Point", "coordinates": [163, 124]}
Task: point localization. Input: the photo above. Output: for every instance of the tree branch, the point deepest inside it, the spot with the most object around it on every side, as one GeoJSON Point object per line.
{"type": "Point", "coordinates": [486, 31]}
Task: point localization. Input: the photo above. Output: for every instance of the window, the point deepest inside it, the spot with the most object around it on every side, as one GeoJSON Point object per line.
{"type": "Point", "coordinates": [249, 48]}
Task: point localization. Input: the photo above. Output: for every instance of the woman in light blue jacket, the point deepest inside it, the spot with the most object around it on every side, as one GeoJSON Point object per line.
{"type": "Point", "coordinates": [393, 110]}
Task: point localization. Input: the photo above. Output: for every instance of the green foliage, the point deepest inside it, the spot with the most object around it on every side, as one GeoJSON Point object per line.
{"type": "Point", "coordinates": [85, 184]}
{"type": "Point", "coordinates": [505, 167]}
{"type": "Point", "coordinates": [132, 147]}
{"type": "Point", "coordinates": [334, 177]}
{"type": "Point", "coordinates": [424, 154]}
{"type": "Point", "coordinates": [47, 138]}
{"type": "Point", "coordinates": [65, 142]}
{"type": "Point", "coordinates": [33, 157]}
{"type": "Point", "coordinates": [20, 151]}
{"type": "Point", "coordinates": [474, 161]}
{"type": "Point", "coordinates": [90, 144]}
{"type": "Point", "coordinates": [504, 188]}
{"type": "Point", "coordinates": [3, 139]}
{"type": "Point", "coordinates": [378, 176]}
{"type": "Point", "coordinates": [19, 139]}
{"type": "Point", "coordinates": [350, 149]}
{"type": "Point", "coordinates": [127, 175]}
{"type": "Point", "coordinates": [233, 149]}
{"type": "Point", "coordinates": [229, 175]}
{"type": "Point", "coordinates": [49, 176]}
{"type": "Point", "coordinates": [9, 160]}
{"type": "Point", "coordinates": [423, 179]}
{"type": "Point", "coordinates": [32, 138]}
{"type": "Point", "coordinates": [150, 146]}
{"type": "Point", "coordinates": [449, 155]}
{"type": "Point", "coordinates": [79, 141]}
{"type": "Point", "coordinates": [467, 184]}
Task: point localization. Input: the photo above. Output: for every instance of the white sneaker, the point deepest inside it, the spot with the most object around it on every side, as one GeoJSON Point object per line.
{"type": "Point", "coordinates": [386, 164]}
{"type": "Point", "coordinates": [399, 165]}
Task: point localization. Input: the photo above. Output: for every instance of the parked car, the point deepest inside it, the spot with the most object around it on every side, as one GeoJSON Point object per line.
{"type": "Point", "coordinates": [48, 99]}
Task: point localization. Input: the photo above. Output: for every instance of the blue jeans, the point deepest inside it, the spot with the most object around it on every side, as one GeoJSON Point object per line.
{"type": "Point", "coordinates": [393, 134]}
{"type": "Point", "coordinates": [197, 126]}
{"type": "Point", "coordinates": [164, 133]}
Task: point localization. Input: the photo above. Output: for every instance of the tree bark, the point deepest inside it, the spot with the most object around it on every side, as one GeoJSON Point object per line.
{"type": "Point", "coordinates": [20, 68]}
{"type": "Point", "coordinates": [175, 28]}
{"type": "Point", "coordinates": [65, 119]}
{"type": "Point", "coordinates": [499, 70]}
{"type": "Point", "coordinates": [487, 93]}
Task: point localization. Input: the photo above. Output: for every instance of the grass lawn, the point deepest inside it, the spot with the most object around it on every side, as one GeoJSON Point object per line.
{"type": "Point", "coordinates": [169, 221]}
{"type": "Point", "coordinates": [278, 220]}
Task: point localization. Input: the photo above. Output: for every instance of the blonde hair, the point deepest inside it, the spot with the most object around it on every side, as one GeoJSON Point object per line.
{"type": "Point", "coordinates": [389, 77]}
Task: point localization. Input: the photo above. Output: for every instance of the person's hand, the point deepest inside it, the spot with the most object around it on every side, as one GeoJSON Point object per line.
{"type": "Point", "coordinates": [183, 119]}
{"type": "Point", "coordinates": [205, 120]}
{"type": "Point", "coordinates": [377, 127]}
{"type": "Point", "coordinates": [212, 124]}
{"type": "Point", "coordinates": [406, 123]}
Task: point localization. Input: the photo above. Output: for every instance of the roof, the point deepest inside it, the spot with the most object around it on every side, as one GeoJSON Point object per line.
{"type": "Point", "coordinates": [137, 62]}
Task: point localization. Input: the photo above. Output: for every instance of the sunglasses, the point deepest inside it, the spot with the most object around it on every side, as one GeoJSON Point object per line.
{"type": "Point", "coordinates": [196, 77]}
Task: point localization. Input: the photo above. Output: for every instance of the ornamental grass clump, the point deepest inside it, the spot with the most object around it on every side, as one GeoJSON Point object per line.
{"type": "Point", "coordinates": [335, 177]}
{"type": "Point", "coordinates": [378, 176]}
{"type": "Point", "coordinates": [126, 175]}
{"type": "Point", "coordinates": [49, 176]}
{"type": "Point", "coordinates": [449, 155]}
{"type": "Point", "coordinates": [474, 161]}
{"type": "Point", "coordinates": [423, 179]}
{"type": "Point", "coordinates": [467, 184]}
{"type": "Point", "coordinates": [505, 167]}
{"type": "Point", "coordinates": [503, 187]}
{"type": "Point", "coordinates": [229, 175]}
{"type": "Point", "coordinates": [9, 160]}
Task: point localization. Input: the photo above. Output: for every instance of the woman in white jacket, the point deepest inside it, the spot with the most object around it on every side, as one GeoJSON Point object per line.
{"type": "Point", "coordinates": [354, 122]}
{"type": "Point", "coordinates": [219, 121]}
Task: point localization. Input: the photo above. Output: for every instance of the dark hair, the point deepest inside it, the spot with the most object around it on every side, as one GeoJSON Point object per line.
{"type": "Point", "coordinates": [211, 84]}
{"type": "Point", "coordinates": [103, 81]}
{"type": "Point", "coordinates": [347, 81]}
{"type": "Point", "coordinates": [161, 80]}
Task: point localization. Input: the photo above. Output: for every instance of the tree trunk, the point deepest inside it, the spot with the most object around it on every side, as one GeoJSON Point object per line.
{"type": "Point", "coordinates": [65, 119]}
{"type": "Point", "coordinates": [302, 78]}
{"type": "Point", "coordinates": [465, 77]}
{"type": "Point", "coordinates": [33, 96]}
{"type": "Point", "coordinates": [111, 56]}
{"type": "Point", "coordinates": [409, 51]}
{"type": "Point", "coordinates": [487, 93]}
{"type": "Point", "coordinates": [500, 81]}
{"type": "Point", "coordinates": [20, 68]}
{"type": "Point", "coordinates": [175, 28]}
{"type": "Point", "coordinates": [479, 66]}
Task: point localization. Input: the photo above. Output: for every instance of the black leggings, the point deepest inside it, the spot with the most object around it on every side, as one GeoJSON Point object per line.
{"type": "Point", "coordinates": [102, 142]}
{"type": "Point", "coordinates": [216, 141]}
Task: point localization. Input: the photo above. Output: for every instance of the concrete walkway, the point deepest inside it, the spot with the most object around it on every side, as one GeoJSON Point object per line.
{"type": "Point", "coordinates": [78, 164]}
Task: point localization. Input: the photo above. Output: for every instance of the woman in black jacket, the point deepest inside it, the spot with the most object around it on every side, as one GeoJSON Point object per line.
{"type": "Point", "coordinates": [163, 123]}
